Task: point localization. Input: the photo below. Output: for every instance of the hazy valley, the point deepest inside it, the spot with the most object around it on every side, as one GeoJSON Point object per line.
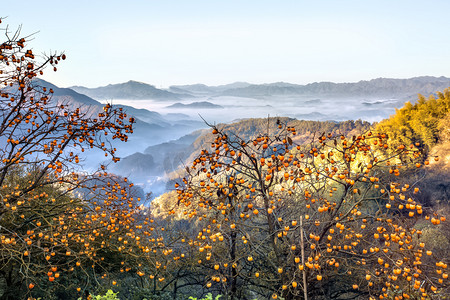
{"type": "Point", "coordinates": [170, 122]}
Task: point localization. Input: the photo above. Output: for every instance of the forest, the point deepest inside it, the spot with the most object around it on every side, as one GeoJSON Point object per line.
{"type": "Point", "coordinates": [273, 208]}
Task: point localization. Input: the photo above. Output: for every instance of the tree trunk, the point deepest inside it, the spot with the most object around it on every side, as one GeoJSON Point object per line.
{"type": "Point", "coordinates": [233, 270]}
{"type": "Point", "coordinates": [302, 245]}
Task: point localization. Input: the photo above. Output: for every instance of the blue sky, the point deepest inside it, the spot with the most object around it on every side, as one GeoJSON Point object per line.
{"type": "Point", "coordinates": [218, 42]}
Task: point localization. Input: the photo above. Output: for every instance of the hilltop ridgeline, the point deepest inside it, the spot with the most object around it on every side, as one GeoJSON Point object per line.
{"type": "Point", "coordinates": [380, 87]}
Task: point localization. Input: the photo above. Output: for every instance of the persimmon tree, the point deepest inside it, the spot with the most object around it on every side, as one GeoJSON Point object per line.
{"type": "Point", "coordinates": [57, 220]}
{"type": "Point", "coordinates": [329, 218]}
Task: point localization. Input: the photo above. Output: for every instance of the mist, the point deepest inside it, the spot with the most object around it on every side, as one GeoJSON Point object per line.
{"type": "Point", "coordinates": [306, 108]}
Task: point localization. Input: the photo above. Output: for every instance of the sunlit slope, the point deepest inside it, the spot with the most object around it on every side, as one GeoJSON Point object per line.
{"type": "Point", "coordinates": [420, 122]}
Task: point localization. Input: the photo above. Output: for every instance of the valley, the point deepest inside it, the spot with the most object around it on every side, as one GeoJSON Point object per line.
{"type": "Point", "coordinates": [170, 122]}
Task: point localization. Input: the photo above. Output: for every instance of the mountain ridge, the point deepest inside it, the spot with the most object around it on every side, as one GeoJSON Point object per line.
{"type": "Point", "coordinates": [404, 87]}
{"type": "Point", "coordinates": [133, 90]}
{"type": "Point", "coordinates": [374, 87]}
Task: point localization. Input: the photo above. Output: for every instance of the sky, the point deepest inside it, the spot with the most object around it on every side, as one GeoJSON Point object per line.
{"type": "Point", "coordinates": [218, 42]}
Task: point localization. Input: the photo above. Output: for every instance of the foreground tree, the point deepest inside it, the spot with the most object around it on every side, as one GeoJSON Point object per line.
{"type": "Point", "coordinates": [326, 219]}
{"type": "Point", "coordinates": [57, 220]}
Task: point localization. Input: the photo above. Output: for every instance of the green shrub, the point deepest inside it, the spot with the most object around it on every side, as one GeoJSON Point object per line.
{"type": "Point", "coordinates": [208, 297]}
{"type": "Point", "coordinates": [110, 295]}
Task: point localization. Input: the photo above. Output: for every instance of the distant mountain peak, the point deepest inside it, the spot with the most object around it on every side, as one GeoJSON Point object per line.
{"type": "Point", "coordinates": [133, 90]}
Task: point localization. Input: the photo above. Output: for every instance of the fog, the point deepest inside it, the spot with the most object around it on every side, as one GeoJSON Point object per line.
{"type": "Point", "coordinates": [307, 108]}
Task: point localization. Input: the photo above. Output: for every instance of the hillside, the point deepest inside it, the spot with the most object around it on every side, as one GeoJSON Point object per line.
{"type": "Point", "coordinates": [427, 123]}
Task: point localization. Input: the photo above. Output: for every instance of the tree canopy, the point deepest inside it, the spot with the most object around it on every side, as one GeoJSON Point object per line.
{"type": "Point", "coordinates": [278, 218]}
{"type": "Point", "coordinates": [58, 223]}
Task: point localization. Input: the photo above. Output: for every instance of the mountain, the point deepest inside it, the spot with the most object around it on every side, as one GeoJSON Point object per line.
{"type": "Point", "coordinates": [404, 89]}
{"type": "Point", "coordinates": [380, 87]}
{"type": "Point", "coordinates": [131, 90]}
{"type": "Point", "coordinates": [195, 105]}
